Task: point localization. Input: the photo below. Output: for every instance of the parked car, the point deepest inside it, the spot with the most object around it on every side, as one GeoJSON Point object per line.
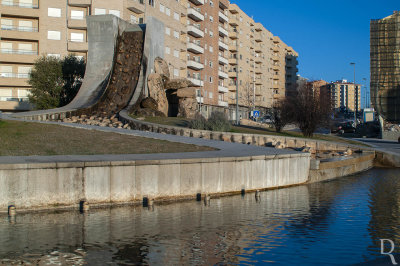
{"type": "Point", "coordinates": [343, 127]}
{"type": "Point", "coordinates": [266, 119]}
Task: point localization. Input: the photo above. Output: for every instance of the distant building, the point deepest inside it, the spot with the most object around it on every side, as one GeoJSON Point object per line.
{"type": "Point", "coordinates": [385, 66]}
{"type": "Point", "coordinates": [345, 96]}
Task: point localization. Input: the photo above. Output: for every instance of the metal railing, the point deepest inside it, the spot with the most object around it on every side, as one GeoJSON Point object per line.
{"type": "Point", "coordinates": [17, 28]}
{"type": "Point", "coordinates": [14, 75]}
{"type": "Point", "coordinates": [17, 4]}
{"type": "Point", "coordinates": [18, 51]}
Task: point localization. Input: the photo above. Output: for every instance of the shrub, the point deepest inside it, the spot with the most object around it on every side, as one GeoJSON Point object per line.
{"type": "Point", "coordinates": [199, 122]}
{"type": "Point", "coordinates": [218, 122]}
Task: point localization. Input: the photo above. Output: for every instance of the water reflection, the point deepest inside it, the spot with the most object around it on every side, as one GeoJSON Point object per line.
{"type": "Point", "coordinates": [330, 223]}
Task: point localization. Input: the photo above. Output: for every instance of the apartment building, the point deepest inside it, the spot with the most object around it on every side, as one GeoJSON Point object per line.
{"type": "Point", "coordinates": [261, 66]}
{"type": "Point", "coordinates": [210, 42]}
{"type": "Point", "coordinates": [31, 28]}
{"type": "Point", "coordinates": [385, 66]}
{"type": "Point", "coordinates": [345, 96]}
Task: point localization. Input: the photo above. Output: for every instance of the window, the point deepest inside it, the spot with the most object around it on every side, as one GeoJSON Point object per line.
{"type": "Point", "coordinates": [211, 64]}
{"type": "Point", "coordinates": [116, 13]}
{"type": "Point", "coordinates": [5, 94]}
{"type": "Point", "coordinates": [211, 79]}
{"type": "Point", "coordinates": [151, 2]}
{"type": "Point", "coordinates": [167, 31]}
{"type": "Point", "coordinates": [6, 24]}
{"type": "Point", "coordinates": [79, 57]}
{"type": "Point", "coordinates": [211, 19]}
{"type": "Point", "coordinates": [6, 71]}
{"type": "Point", "coordinates": [176, 72]}
{"type": "Point", "coordinates": [211, 33]}
{"type": "Point", "coordinates": [77, 14]}
{"type": "Point", "coordinates": [134, 19]}
{"type": "Point", "coordinates": [176, 16]}
{"type": "Point", "coordinates": [162, 8]}
{"type": "Point", "coordinates": [54, 55]}
{"type": "Point", "coordinates": [211, 49]}
{"type": "Point", "coordinates": [23, 71]}
{"type": "Point", "coordinates": [210, 95]}
{"type": "Point", "coordinates": [168, 11]}
{"type": "Point", "coordinates": [76, 37]}
{"type": "Point", "coordinates": [176, 34]}
{"type": "Point", "coordinates": [176, 53]}
{"type": "Point", "coordinates": [211, 3]}
{"type": "Point", "coordinates": [99, 11]}
{"type": "Point", "coordinates": [53, 35]}
{"type": "Point", "coordinates": [167, 50]}
{"type": "Point", "coordinates": [23, 93]}
{"type": "Point", "coordinates": [54, 12]}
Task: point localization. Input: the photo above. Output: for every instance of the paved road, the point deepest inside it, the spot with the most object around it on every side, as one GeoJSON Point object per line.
{"type": "Point", "coordinates": [224, 149]}
{"type": "Point", "coordinates": [388, 145]}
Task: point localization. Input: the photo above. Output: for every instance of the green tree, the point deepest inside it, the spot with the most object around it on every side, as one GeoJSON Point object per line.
{"type": "Point", "coordinates": [55, 82]}
{"type": "Point", "coordinates": [47, 83]}
{"type": "Point", "coordinates": [73, 70]}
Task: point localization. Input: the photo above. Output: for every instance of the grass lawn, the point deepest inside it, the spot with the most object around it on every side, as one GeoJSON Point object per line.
{"type": "Point", "coordinates": [183, 122]}
{"type": "Point", "coordinates": [24, 139]}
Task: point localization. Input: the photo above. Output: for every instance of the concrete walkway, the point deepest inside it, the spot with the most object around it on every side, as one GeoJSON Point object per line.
{"type": "Point", "coordinates": [225, 149]}
{"type": "Point", "coordinates": [381, 144]}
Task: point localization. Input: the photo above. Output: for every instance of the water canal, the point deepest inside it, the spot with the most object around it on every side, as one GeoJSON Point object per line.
{"type": "Point", "coordinates": [337, 222]}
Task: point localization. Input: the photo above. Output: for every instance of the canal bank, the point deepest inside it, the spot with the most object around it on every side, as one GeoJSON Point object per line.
{"type": "Point", "coordinates": [45, 182]}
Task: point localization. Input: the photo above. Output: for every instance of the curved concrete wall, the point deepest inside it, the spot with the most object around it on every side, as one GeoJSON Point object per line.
{"type": "Point", "coordinates": [52, 185]}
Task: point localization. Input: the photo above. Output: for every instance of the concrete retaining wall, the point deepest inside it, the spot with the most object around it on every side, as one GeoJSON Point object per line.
{"type": "Point", "coordinates": [51, 185]}
{"type": "Point", "coordinates": [321, 171]}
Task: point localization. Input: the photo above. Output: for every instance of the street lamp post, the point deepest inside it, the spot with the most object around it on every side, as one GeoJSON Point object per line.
{"type": "Point", "coordinates": [354, 81]}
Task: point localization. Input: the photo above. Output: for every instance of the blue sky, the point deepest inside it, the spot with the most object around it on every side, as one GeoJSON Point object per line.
{"type": "Point", "coordinates": [327, 34]}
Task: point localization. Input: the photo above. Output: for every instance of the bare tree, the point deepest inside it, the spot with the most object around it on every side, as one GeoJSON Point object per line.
{"type": "Point", "coordinates": [281, 114]}
{"type": "Point", "coordinates": [309, 110]}
{"type": "Point", "coordinates": [247, 98]}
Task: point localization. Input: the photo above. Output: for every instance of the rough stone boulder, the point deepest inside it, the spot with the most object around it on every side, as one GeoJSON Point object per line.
{"type": "Point", "coordinates": [187, 107]}
{"type": "Point", "coordinates": [189, 92]}
{"type": "Point", "coordinates": [157, 92]}
{"type": "Point", "coordinates": [161, 67]}
{"type": "Point", "coordinates": [178, 83]}
{"type": "Point", "coordinates": [149, 103]}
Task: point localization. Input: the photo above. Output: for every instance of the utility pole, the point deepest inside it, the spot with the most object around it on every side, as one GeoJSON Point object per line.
{"type": "Point", "coordinates": [354, 81]}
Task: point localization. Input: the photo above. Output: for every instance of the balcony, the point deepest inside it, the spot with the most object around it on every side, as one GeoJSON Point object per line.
{"type": "Point", "coordinates": [275, 77]}
{"type": "Point", "coordinates": [258, 70]}
{"type": "Point", "coordinates": [232, 87]}
{"type": "Point", "coordinates": [222, 17]}
{"type": "Point", "coordinates": [195, 48]}
{"type": "Point", "coordinates": [11, 8]}
{"type": "Point", "coordinates": [197, 2]}
{"type": "Point", "coordinates": [75, 46]}
{"type": "Point", "coordinates": [232, 74]}
{"type": "Point", "coordinates": [195, 31]}
{"type": "Point", "coordinates": [223, 46]}
{"type": "Point", "coordinates": [77, 23]}
{"type": "Point", "coordinates": [19, 4]}
{"type": "Point", "coordinates": [81, 3]}
{"type": "Point", "coordinates": [223, 89]}
{"type": "Point", "coordinates": [25, 33]}
{"type": "Point", "coordinates": [223, 103]}
{"type": "Point", "coordinates": [222, 74]}
{"type": "Point", "coordinates": [195, 15]}
{"type": "Point", "coordinates": [275, 67]}
{"type": "Point", "coordinates": [195, 81]}
{"type": "Point", "coordinates": [232, 61]}
{"type": "Point", "coordinates": [136, 6]}
{"type": "Point", "coordinates": [275, 58]}
{"type": "Point", "coordinates": [222, 31]}
{"type": "Point", "coordinates": [194, 65]}
{"type": "Point", "coordinates": [223, 60]}
{"type": "Point", "coordinates": [14, 79]}
{"type": "Point", "coordinates": [233, 35]}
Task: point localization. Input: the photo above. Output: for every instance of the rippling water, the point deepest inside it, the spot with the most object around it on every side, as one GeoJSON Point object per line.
{"type": "Point", "coordinates": [337, 222]}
